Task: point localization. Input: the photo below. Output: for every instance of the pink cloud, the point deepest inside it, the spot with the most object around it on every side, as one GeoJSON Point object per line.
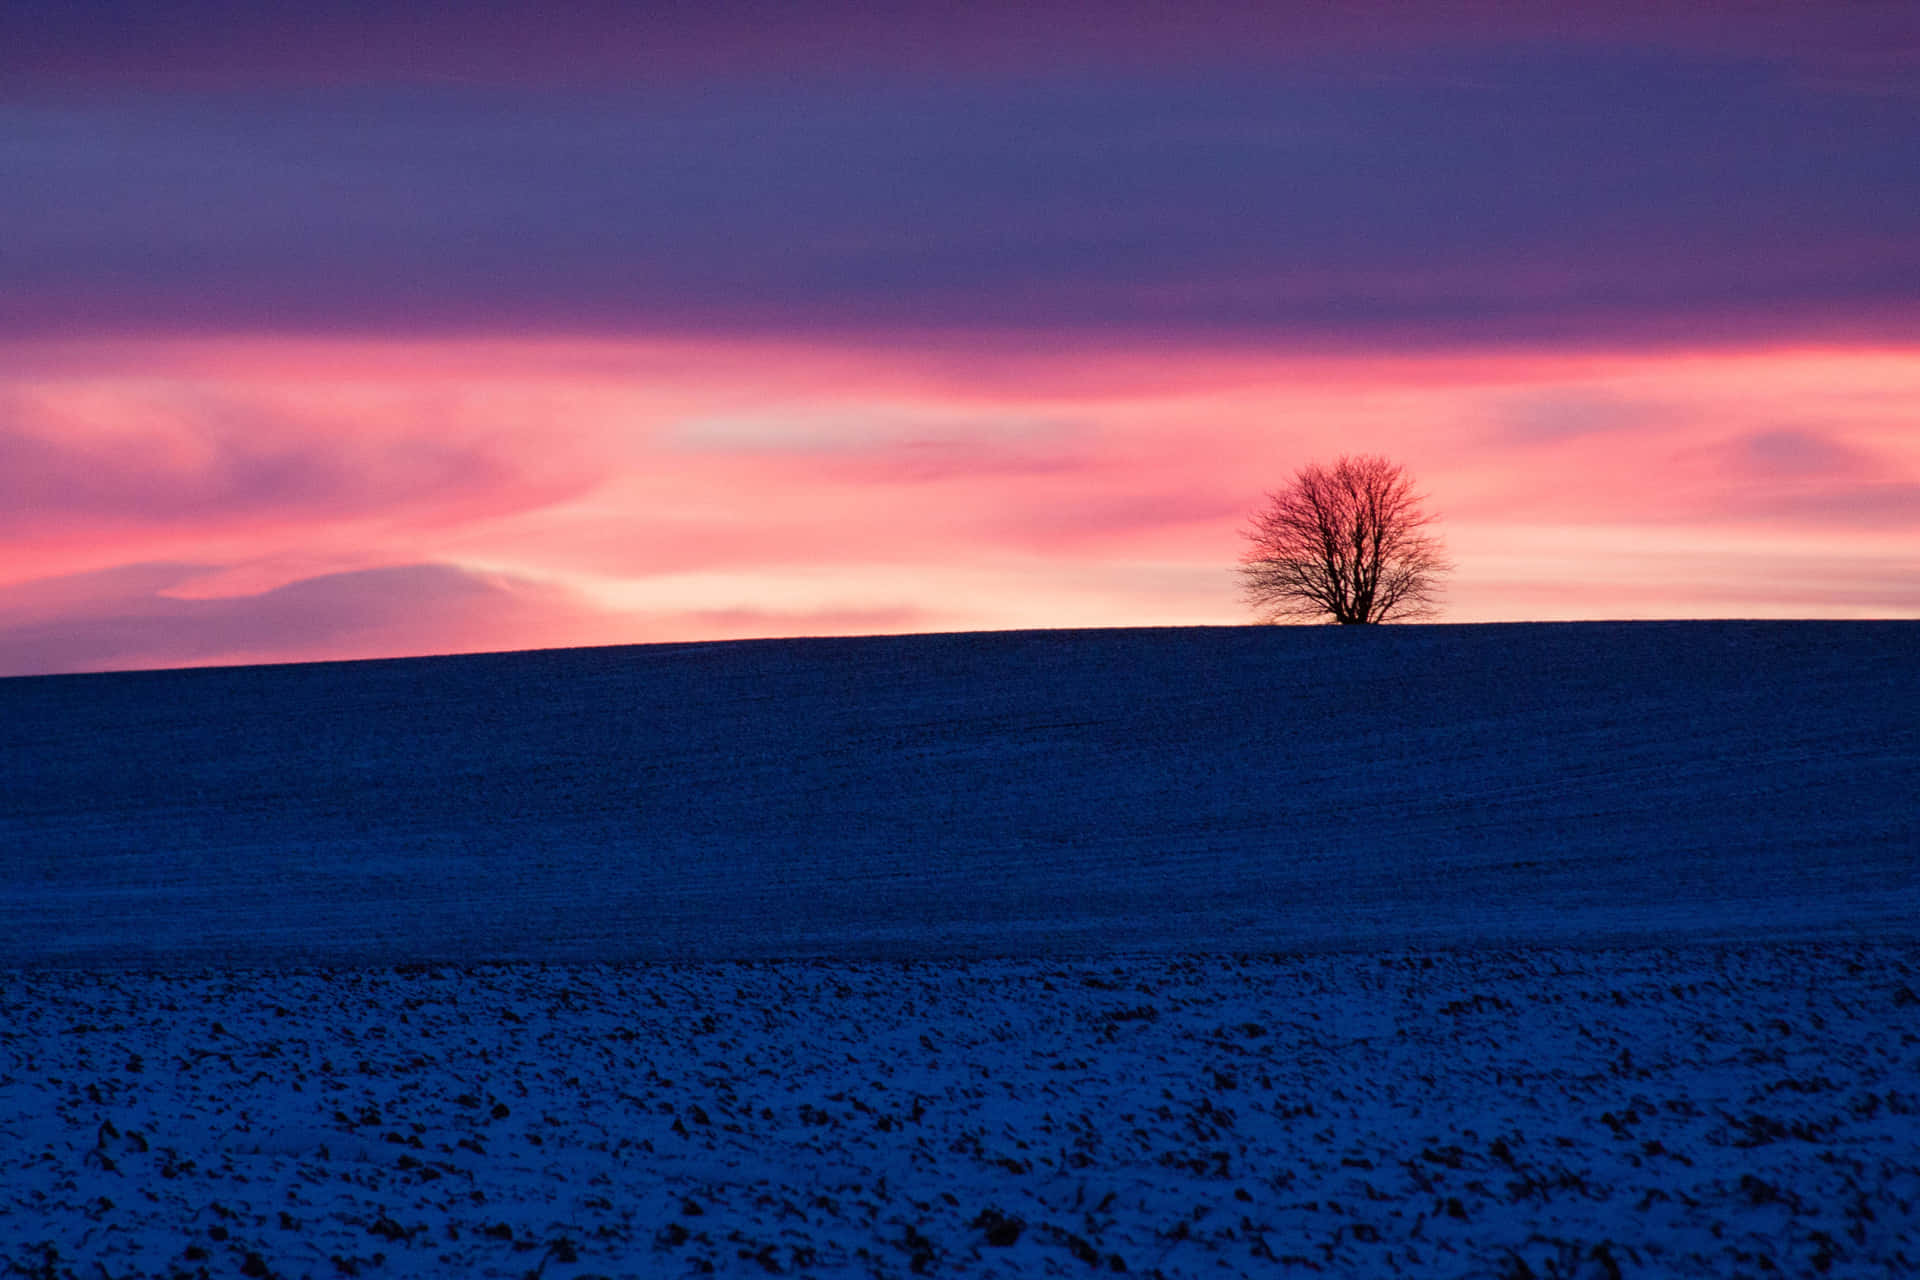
{"type": "Point", "coordinates": [439, 496]}
{"type": "Point", "coordinates": [1788, 454]}
{"type": "Point", "coordinates": [123, 618]}
{"type": "Point", "coordinates": [149, 465]}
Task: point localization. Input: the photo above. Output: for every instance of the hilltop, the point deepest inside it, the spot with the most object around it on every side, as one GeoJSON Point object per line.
{"type": "Point", "coordinates": [1041, 792]}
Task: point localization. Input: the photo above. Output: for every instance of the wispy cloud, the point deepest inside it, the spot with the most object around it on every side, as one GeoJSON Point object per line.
{"type": "Point", "coordinates": [1558, 196]}
{"type": "Point", "coordinates": [1564, 413]}
{"type": "Point", "coordinates": [202, 44]}
{"type": "Point", "coordinates": [897, 444]}
{"type": "Point", "coordinates": [1790, 454]}
{"type": "Point", "coordinates": [326, 498]}
{"type": "Point", "coordinates": [123, 618]}
{"type": "Point", "coordinates": [156, 460]}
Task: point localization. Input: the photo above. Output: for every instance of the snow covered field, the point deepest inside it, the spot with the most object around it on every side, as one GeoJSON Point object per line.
{"type": "Point", "coordinates": [1234, 788]}
{"type": "Point", "coordinates": [1560, 950]}
{"type": "Point", "coordinates": [1650, 1112]}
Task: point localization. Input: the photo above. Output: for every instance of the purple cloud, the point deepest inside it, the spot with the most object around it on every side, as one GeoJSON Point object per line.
{"type": "Point", "coordinates": [1788, 454]}
{"type": "Point", "coordinates": [1801, 476]}
{"type": "Point", "coordinates": [120, 619]}
{"type": "Point", "coordinates": [1626, 182]}
{"type": "Point", "coordinates": [1868, 505]}
{"type": "Point", "coordinates": [201, 461]}
{"type": "Point", "coordinates": [58, 44]}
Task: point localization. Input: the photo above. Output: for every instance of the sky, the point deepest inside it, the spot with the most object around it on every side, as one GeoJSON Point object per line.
{"type": "Point", "coordinates": [352, 329]}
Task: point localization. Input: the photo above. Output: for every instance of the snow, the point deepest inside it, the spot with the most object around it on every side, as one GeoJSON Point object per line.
{"type": "Point", "coordinates": [1554, 950]}
{"type": "Point", "coordinates": [1666, 1112]}
{"type": "Point", "coordinates": [1029, 792]}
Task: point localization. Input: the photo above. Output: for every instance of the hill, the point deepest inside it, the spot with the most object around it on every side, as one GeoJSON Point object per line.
{"type": "Point", "coordinates": [1212, 789]}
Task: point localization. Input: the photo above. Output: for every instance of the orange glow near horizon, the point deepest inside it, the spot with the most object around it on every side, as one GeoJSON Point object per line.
{"type": "Point", "coordinates": [602, 491]}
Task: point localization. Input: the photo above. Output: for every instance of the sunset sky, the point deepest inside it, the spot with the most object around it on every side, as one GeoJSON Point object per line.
{"type": "Point", "coordinates": [363, 329]}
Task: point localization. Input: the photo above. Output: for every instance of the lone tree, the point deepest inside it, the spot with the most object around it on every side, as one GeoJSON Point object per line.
{"type": "Point", "coordinates": [1348, 542]}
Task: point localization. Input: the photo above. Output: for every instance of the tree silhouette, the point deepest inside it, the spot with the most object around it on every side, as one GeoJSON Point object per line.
{"type": "Point", "coordinates": [1348, 542]}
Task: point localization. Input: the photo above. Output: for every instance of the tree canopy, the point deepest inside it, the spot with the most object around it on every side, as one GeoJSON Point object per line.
{"type": "Point", "coordinates": [1349, 542]}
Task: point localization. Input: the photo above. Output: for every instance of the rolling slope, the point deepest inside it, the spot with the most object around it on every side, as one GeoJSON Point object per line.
{"type": "Point", "coordinates": [1051, 792]}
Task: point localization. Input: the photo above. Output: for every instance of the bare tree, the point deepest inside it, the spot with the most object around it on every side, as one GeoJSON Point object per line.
{"type": "Point", "coordinates": [1348, 542]}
